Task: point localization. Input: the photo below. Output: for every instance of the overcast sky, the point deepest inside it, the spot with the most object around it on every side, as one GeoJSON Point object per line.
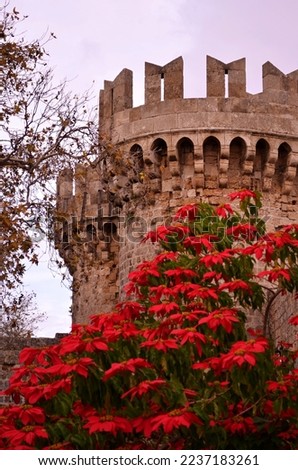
{"type": "Point", "coordinates": [96, 39]}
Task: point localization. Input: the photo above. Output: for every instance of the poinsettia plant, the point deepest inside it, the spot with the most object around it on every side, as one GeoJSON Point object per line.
{"type": "Point", "coordinates": [174, 366]}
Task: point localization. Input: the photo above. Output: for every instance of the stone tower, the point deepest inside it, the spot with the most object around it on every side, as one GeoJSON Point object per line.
{"type": "Point", "coordinates": [168, 152]}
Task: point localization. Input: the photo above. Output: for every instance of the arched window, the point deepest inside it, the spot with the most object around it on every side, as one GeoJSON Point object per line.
{"type": "Point", "coordinates": [185, 150]}
{"type": "Point", "coordinates": [211, 154]}
{"type": "Point", "coordinates": [261, 158]}
{"type": "Point", "coordinates": [281, 165]}
{"type": "Point", "coordinates": [236, 160]}
{"type": "Point", "coordinates": [136, 154]}
{"type": "Point", "coordinates": [160, 152]}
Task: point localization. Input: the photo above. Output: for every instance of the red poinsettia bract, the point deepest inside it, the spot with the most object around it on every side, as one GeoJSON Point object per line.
{"type": "Point", "coordinates": [45, 391]}
{"type": "Point", "coordinates": [294, 320]}
{"type": "Point", "coordinates": [82, 343]}
{"type": "Point", "coordinates": [240, 424]}
{"type": "Point", "coordinates": [223, 317]}
{"type": "Point", "coordinates": [217, 257]}
{"type": "Point", "coordinates": [189, 212]}
{"type": "Point", "coordinates": [190, 335]}
{"type": "Point", "coordinates": [275, 274]}
{"type": "Point", "coordinates": [107, 423]}
{"type": "Point", "coordinates": [160, 344]}
{"type": "Point", "coordinates": [198, 243]}
{"type": "Point", "coordinates": [180, 417]}
{"type": "Point", "coordinates": [224, 210]}
{"type": "Point", "coordinates": [242, 194]}
{"type": "Point", "coordinates": [237, 284]}
{"type": "Point", "coordinates": [243, 352]}
{"type": "Point", "coordinates": [28, 414]}
{"type": "Point", "coordinates": [78, 365]}
{"type": "Point", "coordinates": [25, 435]}
{"type": "Point", "coordinates": [164, 308]}
{"type": "Point", "coordinates": [126, 366]}
{"type": "Point", "coordinates": [144, 387]}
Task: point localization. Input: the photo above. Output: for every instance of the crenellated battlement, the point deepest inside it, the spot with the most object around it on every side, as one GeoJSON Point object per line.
{"type": "Point", "coordinates": [164, 83]}
{"type": "Point", "coordinates": [167, 152]}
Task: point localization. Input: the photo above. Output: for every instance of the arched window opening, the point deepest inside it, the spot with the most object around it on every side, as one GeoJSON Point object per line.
{"type": "Point", "coordinates": [159, 155]}
{"type": "Point", "coordinates": [236, 160]}
{"type": "Point", "coordinates": [137, 161]}
{"type": "Point", "coordinates": [90, 232]}
{"type": "Point", "coordinates": [185, 150]}
{"type": "Point", "coordinates": [261, 158]}
{"type": "Point", "coordinates": [281, 165]}
{"type": "Point", "coordinates": [211, 153]}
{"type": "Point", "coordinates": [160, 152]}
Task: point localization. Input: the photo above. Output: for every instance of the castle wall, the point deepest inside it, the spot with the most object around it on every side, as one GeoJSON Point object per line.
{"type": "Point", "coordinates": [168, 152]}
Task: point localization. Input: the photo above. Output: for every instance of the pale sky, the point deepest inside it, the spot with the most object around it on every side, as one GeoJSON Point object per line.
{"type": "Point", "coordinates": [96, 39]}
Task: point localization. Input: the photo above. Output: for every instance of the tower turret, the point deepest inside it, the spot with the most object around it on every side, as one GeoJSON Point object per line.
{"type": "Point", "coordinates": [168, 152]}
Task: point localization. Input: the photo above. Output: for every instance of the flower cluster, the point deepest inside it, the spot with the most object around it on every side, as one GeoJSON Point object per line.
{"type": "Point", "coordinates": [173, 366]}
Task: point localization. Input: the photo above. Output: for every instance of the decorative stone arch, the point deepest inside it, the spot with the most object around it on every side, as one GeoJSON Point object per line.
{"type": "Point", "coordinates": [211, 155]}
{"type": "Point", "coordinates": [238, 150]}
{"type": "Point", "coordinates": [185, 152]}
{"type": "Point", "coordinates": [281, 166]}
{"type": "Point", "coordinates": [137, 161]}
{"type": "Point", "coordinates": [260, 162]}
